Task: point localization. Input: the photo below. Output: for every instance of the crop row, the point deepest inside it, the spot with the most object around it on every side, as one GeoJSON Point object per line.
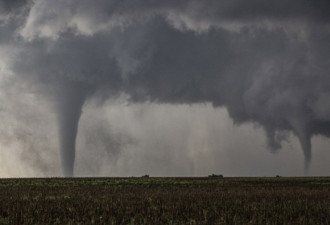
{"type": "Point", "coordinates": [157, 201]}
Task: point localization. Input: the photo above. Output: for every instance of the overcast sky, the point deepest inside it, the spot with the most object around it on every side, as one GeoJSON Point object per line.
{"type": "Point", "coordinates": [166, 88]}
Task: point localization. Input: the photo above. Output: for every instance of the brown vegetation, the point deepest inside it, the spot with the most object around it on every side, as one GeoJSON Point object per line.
{"type": "Point", "coordinates": [165, 201]}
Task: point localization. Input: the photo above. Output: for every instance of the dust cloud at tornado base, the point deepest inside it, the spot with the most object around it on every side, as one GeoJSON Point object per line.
{"type": "Point", "coordinates": [267, 67]}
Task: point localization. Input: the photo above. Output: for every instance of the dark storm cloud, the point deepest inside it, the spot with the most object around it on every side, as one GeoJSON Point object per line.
{"type": "Point", "coordinates": [8, 6]}
{"type": "Point", "coordinates": [266, 62]}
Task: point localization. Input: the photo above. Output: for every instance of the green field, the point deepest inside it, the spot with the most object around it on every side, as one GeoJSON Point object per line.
{"type": "Point", "coordinates": [209, 200]}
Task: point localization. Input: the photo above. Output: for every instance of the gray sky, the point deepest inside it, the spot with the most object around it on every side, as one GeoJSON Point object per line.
{"type": "Point", "coordinates": [166, 88]}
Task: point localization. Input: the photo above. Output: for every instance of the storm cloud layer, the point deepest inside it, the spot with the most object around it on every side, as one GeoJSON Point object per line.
{"type": "Point", "coordinates": [267, 63]}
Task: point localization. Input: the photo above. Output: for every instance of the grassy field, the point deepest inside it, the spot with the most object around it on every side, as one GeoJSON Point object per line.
{"type": "Point", "coordinates": [209, 200]}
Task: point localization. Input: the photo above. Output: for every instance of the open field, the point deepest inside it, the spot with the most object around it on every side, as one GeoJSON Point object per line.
{"type": "Point", "coordinates": [211, 200]}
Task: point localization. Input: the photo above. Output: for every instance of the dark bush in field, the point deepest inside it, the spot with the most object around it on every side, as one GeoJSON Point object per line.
{"type": "Point", "coordinates": [215, 175]}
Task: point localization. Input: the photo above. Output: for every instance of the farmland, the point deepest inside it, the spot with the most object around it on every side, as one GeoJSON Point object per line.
{"type": "Point", "coordinates": [205, 200]}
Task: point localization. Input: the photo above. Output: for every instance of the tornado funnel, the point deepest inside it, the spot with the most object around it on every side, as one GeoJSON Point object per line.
{"type": "Point", "coordinates": [69, 111]}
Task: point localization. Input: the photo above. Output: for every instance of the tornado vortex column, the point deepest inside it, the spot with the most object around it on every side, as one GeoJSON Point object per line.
{"type": "Point", "coordinates": [69, 111]}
